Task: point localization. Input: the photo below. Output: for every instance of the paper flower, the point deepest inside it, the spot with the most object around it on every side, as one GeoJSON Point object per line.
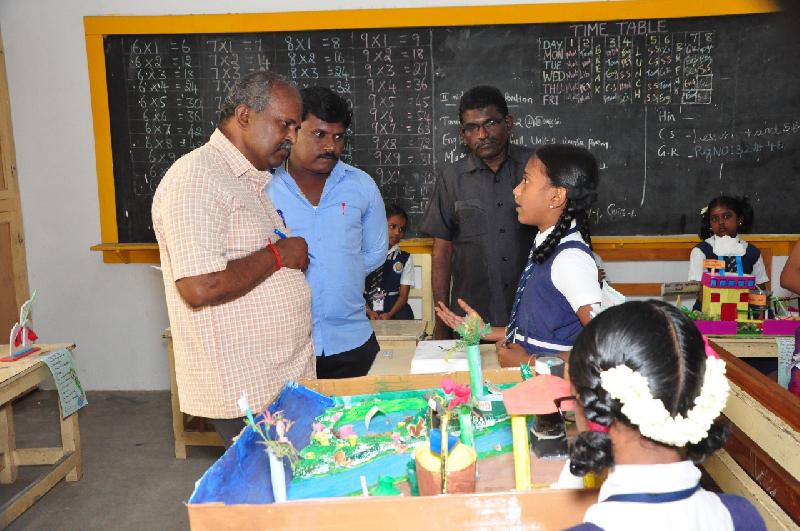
{"type": "Point", "coordinates": [472, 329]}
{"type": "Point", "coordinates": [458, 394]}
{"type": "Point", "coordinates": [280, 445]}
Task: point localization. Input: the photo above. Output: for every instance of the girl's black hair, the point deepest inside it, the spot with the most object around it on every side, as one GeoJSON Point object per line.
{"type": "Point", "coordinates": [740, 205]}
{"type": "Point", "coordinates": [575, 169]}
{"type": "Point", "coordinates": [393, 209]}
{"type": "Point", "coordinates": [662, 344]}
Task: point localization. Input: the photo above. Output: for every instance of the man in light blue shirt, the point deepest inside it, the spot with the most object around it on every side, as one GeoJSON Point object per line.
{"type": "Point", "coordinates": [339, 211]}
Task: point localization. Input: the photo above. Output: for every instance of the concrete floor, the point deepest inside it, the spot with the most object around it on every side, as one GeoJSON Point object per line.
{"type": "Point", "coordinates": [131, 479]}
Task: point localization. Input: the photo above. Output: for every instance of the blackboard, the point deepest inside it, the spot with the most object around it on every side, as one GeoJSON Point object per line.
{"type": "Point", "coordinates": [676, 110]}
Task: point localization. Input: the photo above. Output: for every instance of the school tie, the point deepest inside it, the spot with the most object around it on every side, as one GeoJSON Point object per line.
{"type": "Point", "coordinates": [523, 279]}
{"type": "Point", "coordinates": [373, 283]}
{"type": "Point", "coordinates": [733, 264]}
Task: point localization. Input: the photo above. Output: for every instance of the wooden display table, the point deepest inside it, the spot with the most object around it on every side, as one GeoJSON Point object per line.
{"type": "Point", "coordinates": [17, 378]}
{"type": "Point", "coordinates": [393, 337]}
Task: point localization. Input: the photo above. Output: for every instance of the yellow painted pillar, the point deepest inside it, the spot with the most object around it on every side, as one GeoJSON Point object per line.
{"type": "Point", "coordinates": [522, 453]}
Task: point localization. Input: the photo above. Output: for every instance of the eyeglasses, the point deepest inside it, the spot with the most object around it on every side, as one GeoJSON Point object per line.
{"type": "Point", "coordinates": [489, 126]}
{"type": "Point", "coordinates": [568, 416]}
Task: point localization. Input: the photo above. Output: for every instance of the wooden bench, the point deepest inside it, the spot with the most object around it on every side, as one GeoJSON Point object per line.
{"type": "Point", "coordinates": [762, 458]}
{"type": "Point", "coordinates": [424, 292]}
{"type": "Point", "coordinates": [17, 378]}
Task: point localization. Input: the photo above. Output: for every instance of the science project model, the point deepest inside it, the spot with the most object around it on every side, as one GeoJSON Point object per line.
{"type": "Point", "coordinates": [351, 445]}
{"type": "Point", "coordinates": [429, 441]}
{"type": "Point", "coordinates": [732, 302]}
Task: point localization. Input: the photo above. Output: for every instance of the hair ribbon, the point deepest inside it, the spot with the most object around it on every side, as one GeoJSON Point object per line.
{"type": "Point", "coordinates": [710, 352]}
{"type": "Point", "coordinates": [593, 426]}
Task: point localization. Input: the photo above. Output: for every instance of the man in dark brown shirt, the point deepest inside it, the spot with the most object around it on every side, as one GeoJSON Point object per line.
{"type": "Point", "coordinates": [472, 217]}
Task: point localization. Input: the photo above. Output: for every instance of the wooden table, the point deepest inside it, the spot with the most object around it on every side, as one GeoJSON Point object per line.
{"type": "Point", "coordinates": [398, 335]}
{"type": "Point", "coordinates": [187, 429]}
{"type": "Point", "coordinates": [17, 378]}
{"type": "Point", "coordinates": [393, 336]}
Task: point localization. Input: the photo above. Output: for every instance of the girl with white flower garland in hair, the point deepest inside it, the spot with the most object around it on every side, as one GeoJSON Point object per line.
{"type": "Point", "coordinates": [650, 391]}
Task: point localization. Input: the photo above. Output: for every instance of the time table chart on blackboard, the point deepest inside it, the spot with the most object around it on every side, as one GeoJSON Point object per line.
{"type": "Point", "coordinates": [675, 110]}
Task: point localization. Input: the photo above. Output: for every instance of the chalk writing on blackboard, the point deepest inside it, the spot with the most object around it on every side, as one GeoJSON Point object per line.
{"type": "Point", "coordinates": [676, 110]}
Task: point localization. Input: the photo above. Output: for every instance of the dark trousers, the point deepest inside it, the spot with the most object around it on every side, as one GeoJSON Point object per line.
{"type": "Point", "coordinates": [227, 429]}
{"type": "Point", "coordinates": [350, 364]}
{"type": "Point", "coordinates": [404, 314]}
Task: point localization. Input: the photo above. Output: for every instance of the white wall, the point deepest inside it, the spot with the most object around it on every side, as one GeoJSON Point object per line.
{"type": "Point", "coordinates": [115, 313]}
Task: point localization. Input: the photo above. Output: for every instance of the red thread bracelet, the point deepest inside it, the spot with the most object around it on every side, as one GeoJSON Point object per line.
{"type": "Point", "coordinates": [275, 252]}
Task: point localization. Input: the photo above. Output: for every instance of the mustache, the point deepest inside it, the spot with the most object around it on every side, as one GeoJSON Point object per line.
{"type": "Point", "coordinates": [487, 142]}
{"type": "Point", "coordinates": [330, 156]}
{"type": "Point", "coordinates": [285, 145]}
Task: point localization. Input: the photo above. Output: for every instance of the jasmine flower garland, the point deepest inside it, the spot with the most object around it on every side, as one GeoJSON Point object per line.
{"type": "Point", "coordinates": [650, 415]}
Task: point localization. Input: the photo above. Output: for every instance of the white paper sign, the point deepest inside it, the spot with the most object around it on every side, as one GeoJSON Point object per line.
{"type": "Point", "coordinates": [785, 354]}
{"type": "Point", "coordinates": [65, 374]}
{"type": "Point", "coordinates": [434, 356]}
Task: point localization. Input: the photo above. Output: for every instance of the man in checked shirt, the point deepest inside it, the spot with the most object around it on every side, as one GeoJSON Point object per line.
{"type": "Point", "coordinates": [238, 303]}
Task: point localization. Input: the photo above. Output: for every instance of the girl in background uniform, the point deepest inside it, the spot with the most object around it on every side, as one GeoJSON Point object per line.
{"type": "Point", "coordinates": [727, 216]}
{"type": "Point", "coordinates": [387, 287]}
{"type": "Point", "coordinates": [560, 282]}
{"type": "Point", "coordinates": [649, 392]}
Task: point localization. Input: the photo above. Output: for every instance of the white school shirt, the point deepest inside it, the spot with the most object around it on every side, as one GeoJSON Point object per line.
{"type": "Point", "coordinates": [702, 511]}
{"type": "Point", "coordinates": [407, 275]}
{"type": "Point", "coordinates": [696, 259]}
{"type": "Point", "coordinates": [574, 272]}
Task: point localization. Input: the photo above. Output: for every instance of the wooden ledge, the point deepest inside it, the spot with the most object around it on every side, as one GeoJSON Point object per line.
{"type": "Point", "coordinates": [128, 253]}
{"type": "Point", "coordinates": [610, 248]}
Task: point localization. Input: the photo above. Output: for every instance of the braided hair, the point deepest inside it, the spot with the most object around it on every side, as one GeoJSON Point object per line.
{"type": "Point", "coordinates": [740, 205]}
{"type": "Point", "coordinates": [663, 345]}
{"type": "Point", "coordinates": [575, 169]}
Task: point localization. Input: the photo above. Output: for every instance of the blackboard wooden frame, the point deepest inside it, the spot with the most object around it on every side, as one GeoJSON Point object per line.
{"type": "Point", "coordinates": [95, 28]}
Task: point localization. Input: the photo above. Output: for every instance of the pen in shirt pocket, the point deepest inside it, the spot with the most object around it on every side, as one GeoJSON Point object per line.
{"type": "Point", "coordinates": [283, 236]}
{"type": "Point", "coordinates": [283, 218]}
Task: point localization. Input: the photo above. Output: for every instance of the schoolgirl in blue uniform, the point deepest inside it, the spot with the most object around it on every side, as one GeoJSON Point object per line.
{"type": "Point", "coordinates": [650, 391]}
{"type": "Point", "coordinates": [727, 216]}
{"type": "Point", "coordinates": [387, 287]}
{"type": "Point", "coordinates": [560, 282]}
